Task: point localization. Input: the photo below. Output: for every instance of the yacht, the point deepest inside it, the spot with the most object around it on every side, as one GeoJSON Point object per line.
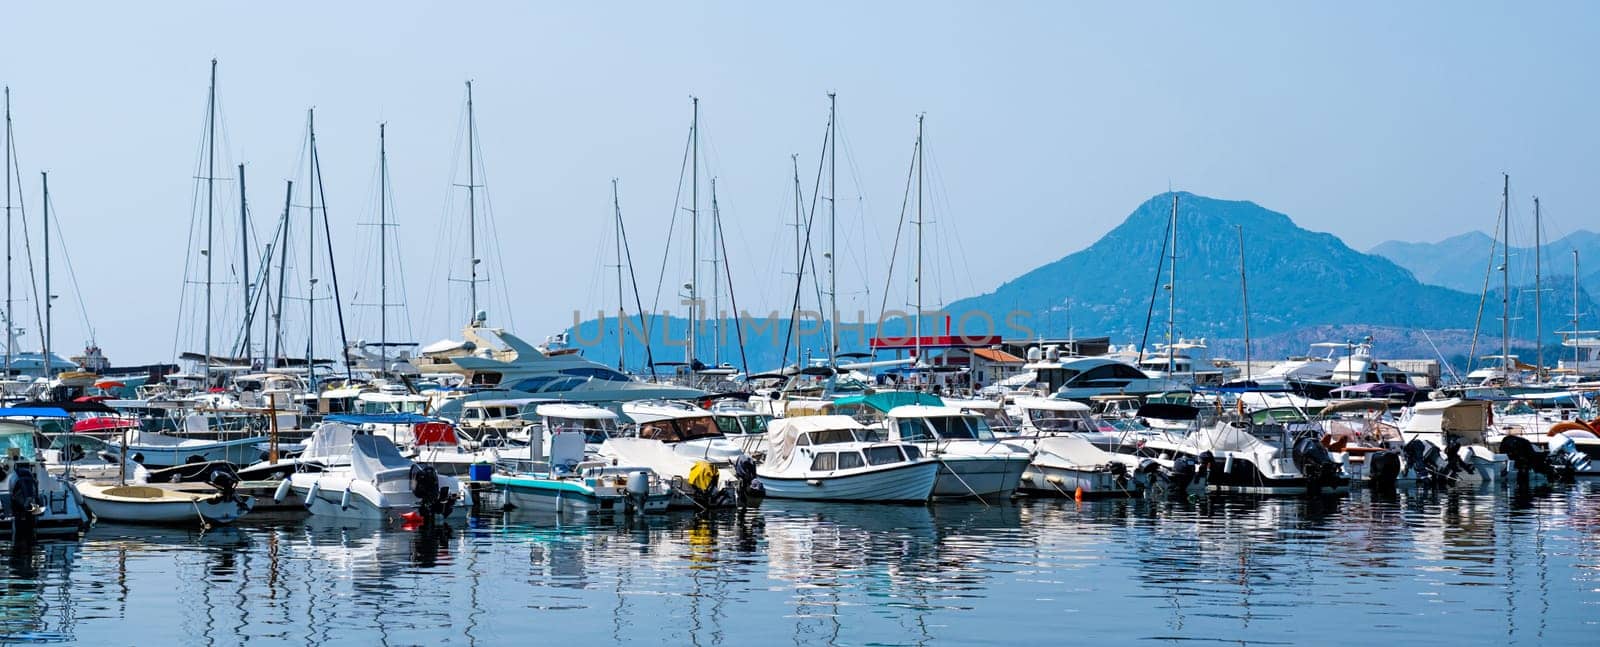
{"type": "Point", "coordinates": [1448, 441]}
{"type": "Point", "coordinates": [501, 365]}
{"type": "Point", "coordinates": [1082, 378]}
{"type": "Point", "coordinates": [835, 458]}
{"type": "Point", "coordinates": [973, 463]}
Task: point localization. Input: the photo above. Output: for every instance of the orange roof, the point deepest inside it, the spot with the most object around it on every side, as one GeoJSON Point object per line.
{"type": "Point", "coordinates": [996, 355]}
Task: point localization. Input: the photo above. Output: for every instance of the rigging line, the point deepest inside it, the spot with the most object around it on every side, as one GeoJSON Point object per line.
{"type": "Point", "coordinates": [854, 173]}
{"type": "Point", "coordinates": [72, 276]}
{"type": "Point", "coordinates": [672, 224]}
{"type": "Point", "coordinates": [622, 230]}
{"type": "Point", "coordinates": [727, 271]}
{"type": "Point", "coordinates": [961, 248]}
{"type": "Point", "coordinates": [1483, 295]}
{"type": "Point", "coordinates": [805, 255]}
{"type": "Point", "coordinates": [494, 231]}
{"type": "Point", "coordinates": [1155, 288]}
{"type": "Point", "coordinates": [333, 269]}
{"type": "Point", "coordinates": [894, 252]}
{"type": "Point", "coordinates": [27, 240]}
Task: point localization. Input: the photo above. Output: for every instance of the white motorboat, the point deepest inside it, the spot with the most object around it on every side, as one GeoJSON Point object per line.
{"type": "Point", "coordinates": [835, 458]}
{"type": "Point", "coordinates": [1082, 378]}
{"type": "Point", "coordinates": [36, 502]}
{"type": "Point", "coordinates": [166, 503]}
{"type": "Point", "coordinates": [973, 463]}
{"type": "Point", "coordinates": [569, 484]}
{"type": "Point", "coordinates": [743, 425]}
{"type": "Point", "coordinates": [690, 431]}
{"type": "Point", "coordinates": [1069, 465]}
{"type": "Point", "coordinates": [1271, 451]}
{"type": "Point", "coordinates": [1043, 417]}
{"type": "Point", "coordinates": [153, 449]}
{"type": "Point", "coordinates": [1449, 440]}
{"type": "Point", "coordinates": [379, 484]}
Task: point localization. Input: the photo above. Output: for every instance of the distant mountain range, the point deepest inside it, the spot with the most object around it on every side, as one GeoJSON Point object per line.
{"type": "Point", "coordinates": [1462, 262]}
{"type": "Point", "coordinates": [1304, 286]}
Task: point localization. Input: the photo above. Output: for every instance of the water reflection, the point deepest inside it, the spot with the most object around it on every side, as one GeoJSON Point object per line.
{"type": "Point", "coordinates": [1410, 565]}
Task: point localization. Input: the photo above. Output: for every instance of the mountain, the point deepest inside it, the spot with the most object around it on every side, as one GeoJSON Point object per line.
{"type": "Point", "coordinates": [1297, 278]}
{"type": "Point", "coordinates": [1461, 262]}
{"type": "Point", "coordinates": [1305, 286]}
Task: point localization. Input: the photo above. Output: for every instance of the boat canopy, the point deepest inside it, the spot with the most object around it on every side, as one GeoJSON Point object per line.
{"type": "Point", "coordinates": [33, 412]}
{"type": "Point", "coordinates": [378, 418]}
{"type": "Point", "coordinates": [371, 456]}
{"type": "Point", "coordinates": [883, 401]}
{"type": "Point", "coordinates": [575, 412]}
{"type": "Point", "coordinates": [784, 434]}
{"type": "Point", "coordinates": [329, 440]}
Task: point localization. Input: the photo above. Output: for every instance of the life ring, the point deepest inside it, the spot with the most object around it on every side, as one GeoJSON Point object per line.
{"type": "Point", "coordinates": [1569, 425]}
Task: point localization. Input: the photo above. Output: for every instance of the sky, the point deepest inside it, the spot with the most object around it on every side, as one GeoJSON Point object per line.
{"type": "Point", "coordinates": [1046, 124]}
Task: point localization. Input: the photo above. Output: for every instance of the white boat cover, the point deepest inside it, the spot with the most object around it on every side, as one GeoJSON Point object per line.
{"type": "Point", "coordinates": [784, 432]}
{"type": "Point", "coordinates": [373, 458]}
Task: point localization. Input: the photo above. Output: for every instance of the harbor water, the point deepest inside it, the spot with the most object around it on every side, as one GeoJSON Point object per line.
{"type": "Point", "coordinates": [1462, 567]}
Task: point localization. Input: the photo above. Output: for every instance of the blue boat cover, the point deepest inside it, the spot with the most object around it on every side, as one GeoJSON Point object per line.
{"type": "Point", "coordinates": [375, 418]}
{"type": "Point", "coordinates": [33, 412]}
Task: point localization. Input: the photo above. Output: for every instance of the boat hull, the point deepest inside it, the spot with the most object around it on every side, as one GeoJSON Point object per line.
{"type": "Point", "coordinates": [196, 510]}
{"type": "Point", "coordinates": [1064, 481]}
{"type": "Point", "coordinates": [243, 451]}
{"type": "Point", "coordinates": [550, 495]}
{"type": "Point", "coordinates": [901, 483]}
{"type": "Point", "coordinates": [981, 476]}
{"type": "Point", "coordinates": [365, 502]}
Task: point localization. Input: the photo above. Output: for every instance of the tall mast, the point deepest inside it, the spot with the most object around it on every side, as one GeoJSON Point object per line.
{"type": "Point", "coordinates": [283, 266]}
{"type": "Point", "coordinates": [1538, 296]}
{"type": "Point", "coordinates": [10, 324]}
{"type": "Point", "coordinates": [383, 248]}
{"type": "Point", "coordinates": [311, 248]}
{"type": "Point", "coordinates": [716, 279]}
{"type": "Point", "coordinates": [244, 258]}
{"type": "Point", "coordinates": [1244, 291]}
{"type": "Point", "coordinates": [1505, 277]}
{"type": "Point", "coordinates": [1577, 351]}
{"type": "Point", "coordinates": [799, 257]}
{"type": "Point", "coordinates": [622, 330]}
{"type": "Point", "coordinates": [211, 163]}
{"type": "Point", "coordinates": [1172, 290]}
{"type": "Point", "coordinates": [694, 228]}
{"type": "Point", "coordinates": [833, 232]}
{"type": "Point", "coordinates": [917, 335]}
{"type": "Point", "coordinates": [49, 366]}
{"type": "Point", "coordinates": [472, 203]}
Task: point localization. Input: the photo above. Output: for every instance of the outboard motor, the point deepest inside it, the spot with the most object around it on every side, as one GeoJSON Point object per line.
{"type": "Point", "coordinates": [1383, 469]}
{"type": "Point", "coordinates": [1182, 474]}
{"type": "Point", "coordinates": [432, 499]}
{"type": "Point", "coordinates": [1564, 453]}
{"type": "Point", "coordinates": [750, 491]}
{"type": "Point", "coordinates": [226, 481]}
{"type": "Point", "coordinates": [1313, 461]}
{"type": "Point", "coordinates": [24, 508]}
{"type": "Point", "coordinates": [1119, 473]}
{"type": "Point", "coordinates": [1423, 458]}
{"type": "Point", "coordinates": [1525, 460]}
{"type": "Point", "coordinates": [638, 489]}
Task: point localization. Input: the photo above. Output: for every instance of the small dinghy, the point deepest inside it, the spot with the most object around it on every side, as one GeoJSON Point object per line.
{"type": "Point", "coordinates": [213, 499]}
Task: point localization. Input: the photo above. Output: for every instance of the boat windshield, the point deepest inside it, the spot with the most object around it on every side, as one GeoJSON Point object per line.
{"type": "Point", "coordinates": [960, 428]}
{"type": "Point", "coordinates": [828, 436]}
{"type": "Point", "coordinates": [997, 419]}
{"type": "Point", "coordinates": [681, 429]}
{"type": "Point", "coordinates": [19, 441]}
{"type": "Point", "coordinates": [1059, 421]}
{"type": "Point", "coordinates": [594, 430]}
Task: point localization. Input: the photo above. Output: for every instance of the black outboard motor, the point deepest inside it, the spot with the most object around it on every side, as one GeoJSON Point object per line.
{"type": "Point", "coordinates": [432, 499]}
{"type": "Point", "coordinates": [1525, 460]}
{"type": "Point", "coordinates": [1313, 460]}
{"type": "Point", "coordinates": [1182, 474]}
{"type": "Point", "coordinates": [24, 505]}
{"type": "Point", "coordinates": [749, 491]}
{"type": "Point", "coordinates": [226, 480]}
{"type": "Point", "coordinates": [1383, 469]}
{"type": "Point", "coordinates": [1423, 458]}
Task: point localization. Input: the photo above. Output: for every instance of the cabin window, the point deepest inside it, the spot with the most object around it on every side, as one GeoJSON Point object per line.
{"type": "Point", "coordinates": [825, 462]}
{"type": "Point", "coordinates": [729, 425]}
{"type": "Point", "coordinates": [661, 430]}
{"type": "Point", "coordinates": [698, 427]}
{"type": "Point", "coordinates": [913, 453]}
{"type": "Point", "coordinates": [827, 436]}
{"type": "Point", "coordinates": [596, 373]}
{"type": "Point", "coordinates": [755, 424]}
{"type": "Point", "coordinates": [850, 460]}
{"type": "Point", "coordinates": [533, 384]}
{"type": "Point", "coordinates": [883, 455]}
{"type": "Point", "coordinates": [952, 428]}
{"type": "Point", "coordinates": [805, 439]}
{"type": "Point", "coordinates": [913, 430]}
{"type": "Point", "coordinates": [486, 379]}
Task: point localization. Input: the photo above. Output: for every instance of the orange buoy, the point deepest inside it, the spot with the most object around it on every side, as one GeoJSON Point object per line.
{"type": "Point", "coordinates": [1077, 495]}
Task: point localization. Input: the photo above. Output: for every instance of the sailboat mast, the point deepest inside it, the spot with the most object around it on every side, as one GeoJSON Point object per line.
{"type": "Point", "coordinates": [10, 325]}
{"type": "Point", "coordinates": [799, 257]}
{"type": "Point", "coordinates": [833, 231]}
{"type": "Point", "coordinates": [716, 279]}
{"type": "Point", "coordinates": [1538, 296]}
{"type": "Point", "coordinates": [283, 266]}
{"type": "Point", "coordinates": [917, 334]}
{"type": "Point", "coordinates": [311, 248]}
{"type": "Point", "coordinates": [472, 203]}
{"type": "Point", "coordinates": [244, 259]}
{"type": "Point", "coordinates": [1505, 277]}
{"type": "Point", "coordinates": [1172, 291]}
{"type": "Point", "coordinates": [211, 163]}
{"type": "Point", "coordinates": [694, 228]}
{"type": "Point", "coordinates": [1244, 291]}
{"type": "Point", "coordinates": [383, 248]}
{"type": "Point", "coordinates": [622, 330]}
{"type": "Point", "coordinates": [49, 366]}
{"type": "Point", "coordinates": [1577, 351]}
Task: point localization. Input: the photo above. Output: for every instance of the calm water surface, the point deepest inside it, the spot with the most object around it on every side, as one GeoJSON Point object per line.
{"type": "Point", "coordinates": [1416, 568]}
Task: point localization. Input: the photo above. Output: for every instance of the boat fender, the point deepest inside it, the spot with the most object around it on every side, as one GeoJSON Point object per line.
{"type": "Point", "coordinates": [1569, 425]}
{"type": "Point", "coordinates": [1227, 464]}
{"type": "Point", "coordinates": [311, 494]}
{"type": "Point", "coordinates": [282, 492]}
{"type": "Point", "coordinates": [344, 499]}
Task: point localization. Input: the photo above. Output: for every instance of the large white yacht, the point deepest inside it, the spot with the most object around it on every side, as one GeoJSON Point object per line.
{"type": "Point", "coordinates": [501, 365]}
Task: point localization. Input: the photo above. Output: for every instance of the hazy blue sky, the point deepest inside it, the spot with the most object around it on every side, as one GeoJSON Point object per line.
{"type": "Point", "coordinates": [1047, 124]}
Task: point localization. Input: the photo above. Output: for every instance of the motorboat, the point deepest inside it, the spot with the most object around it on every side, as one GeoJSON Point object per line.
{"type": "Point", "coordinates": [503, 366]}
{"type": "Point", "coordinates": [1082, 378]}
{"type": "Point", "coordinates": [1361, 430]}
{"type": "Point", "coordinates": [156, 449]}
{"type": "Point", "coordinates": [35, 502]}
{"type": "Point", "coordinates": [379, 484]}
{"type": "Point", "coordinates": [1269, 451]}
{"type": "Point", "coordinates": [689, 430]}
{"type": "Point", "coordinates": [836, 458]}
{"type": "Point", "coordinates": [211, 501]}
{"type": "Point", "coordinates": [327, 447]}
{"type": "Point", "coordinates": [567, 482]}
{"type": "Point", "coordinates": [1449, 440]}
{"type": "Point", "coordinates": [1044, 417]}
{"type": "Point", "coordinates": [742, 424]}
{"type": "Point", "coordinates": [973, 463]}
{"type": "Point", "coordinates": [1553, 422]}
{"type": "Point", "coordinates": [1069, 465]}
